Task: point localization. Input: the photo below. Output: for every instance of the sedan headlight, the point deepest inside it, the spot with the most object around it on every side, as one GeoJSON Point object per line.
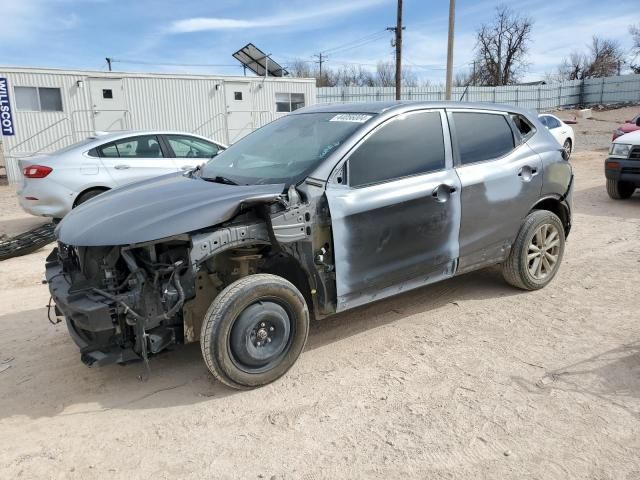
{"type": "Point", "coordinates": [620, 150]}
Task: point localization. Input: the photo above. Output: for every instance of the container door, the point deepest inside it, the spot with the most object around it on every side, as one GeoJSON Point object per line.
{"type": "Point", "coordinates": [239, 106]}
{"type": "Point", "coordinates": [108, 109]}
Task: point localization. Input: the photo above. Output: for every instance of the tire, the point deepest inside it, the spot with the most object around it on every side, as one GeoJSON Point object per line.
{"type": "Point", "coordinates": [88, 195]}
{"type": "Point", "coordinates": [526, 273]}
{"type": "Point", "coordinates": [233, 341]}
{"type": "Point", "coordinates": [619, 190]}
{"type": "Point", "coordinates": [568, 147]}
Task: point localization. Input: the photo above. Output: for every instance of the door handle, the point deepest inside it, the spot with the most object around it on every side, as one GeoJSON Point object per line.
{"type": "Point", "coordinates": [122, 166]}
{"type": "Point", "coordinates": [442, 192]}
{"type": "Point", "coordinates": [186, 167]}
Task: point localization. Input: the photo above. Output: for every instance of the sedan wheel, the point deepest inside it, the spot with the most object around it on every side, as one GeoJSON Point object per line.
{"type": "Point", "coordinates": [567, 147]}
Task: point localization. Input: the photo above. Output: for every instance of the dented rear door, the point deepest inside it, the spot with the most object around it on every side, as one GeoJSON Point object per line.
{"type": "Point", "coordinates": [395, 210]}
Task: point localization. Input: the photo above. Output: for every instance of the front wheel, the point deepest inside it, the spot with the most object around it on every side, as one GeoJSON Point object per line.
{"type": "Point", "coordinates": [619, 190]}
{"type": "Point", "coordinates": [536, 254]}
{"type": "Point", "coordinates": [254, 331]}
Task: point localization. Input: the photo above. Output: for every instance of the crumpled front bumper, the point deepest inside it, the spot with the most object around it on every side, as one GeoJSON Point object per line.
{"type": "Point", "coordinates": [90, 318]}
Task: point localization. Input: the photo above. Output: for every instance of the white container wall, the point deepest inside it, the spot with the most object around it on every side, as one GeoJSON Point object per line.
{"type": "Point", "coordinates": [218, 107]}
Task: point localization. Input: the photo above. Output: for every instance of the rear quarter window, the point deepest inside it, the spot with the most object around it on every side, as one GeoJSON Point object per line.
{"type": "Point", "coordinates": [482, 136]}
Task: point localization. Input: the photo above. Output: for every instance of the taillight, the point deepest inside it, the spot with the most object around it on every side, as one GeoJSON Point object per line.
{"type": "Point", "coordinates": [36, 171]}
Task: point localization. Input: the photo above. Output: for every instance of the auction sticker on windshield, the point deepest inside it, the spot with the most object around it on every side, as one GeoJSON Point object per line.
{"type": "Point", "coordinates": [351, 117]}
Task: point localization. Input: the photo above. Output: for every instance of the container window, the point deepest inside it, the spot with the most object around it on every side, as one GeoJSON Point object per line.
{"type": "Point", "coordinates": [27, 99]}
{"type": "Point", "coordinates": [288, 102]}
{"type": "Point", "coordinates": [107, 93]}
{"type": "Point", "coordinates": [50, 99]}
{"type": "Point", "coordinates": [237, 95]}
{"type": "Point", "coordinates": [38, 99]}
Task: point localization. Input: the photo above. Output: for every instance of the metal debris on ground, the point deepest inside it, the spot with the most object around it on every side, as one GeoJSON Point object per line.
{"type": "Point", "coordinates": [27, 242]}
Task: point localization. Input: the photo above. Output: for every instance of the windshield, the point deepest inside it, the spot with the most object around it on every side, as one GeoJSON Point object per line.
{"type": "Point", "coordinates": [284, 151]}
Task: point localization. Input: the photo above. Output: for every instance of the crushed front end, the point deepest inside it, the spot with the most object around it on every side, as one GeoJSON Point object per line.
{"type": "Point", "coordinates": [122, 303]}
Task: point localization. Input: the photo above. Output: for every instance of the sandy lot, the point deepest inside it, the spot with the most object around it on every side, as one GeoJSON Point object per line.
{"type": "Point", "coordinates": [467, 379]}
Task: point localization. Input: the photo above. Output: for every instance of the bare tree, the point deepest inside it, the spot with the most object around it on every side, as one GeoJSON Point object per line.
{"type": "Point", "coordinates": [573, 67]}
{"type": "Point", "coordinates": [634, 30]}
{"type": "Point", "coordinates": [605, 57]}
{"type": "Point", "coordinates": [385, 74]}
{"type": "Point", "coordinates": [501, 48]}
{"type": "Point", "coordinates": [602, 60]}
{"type": "Point", "coordinates": [462, 79]}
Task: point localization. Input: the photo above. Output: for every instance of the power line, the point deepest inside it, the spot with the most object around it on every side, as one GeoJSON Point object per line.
{"type": "Point", "coordinates": [356, 43]}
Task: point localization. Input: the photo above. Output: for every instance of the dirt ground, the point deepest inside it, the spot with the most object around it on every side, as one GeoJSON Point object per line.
{"type": "Point", "coordinates": [464, 379]}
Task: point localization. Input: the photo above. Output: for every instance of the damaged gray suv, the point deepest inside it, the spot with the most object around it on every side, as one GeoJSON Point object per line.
{"type": "Point", "coordinates": [323, 210]}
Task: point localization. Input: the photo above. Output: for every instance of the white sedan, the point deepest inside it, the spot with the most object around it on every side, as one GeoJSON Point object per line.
{"type": "Point", "coordinates": [562, 132]}
{"type": "Point", "coordinates": [55, 183]}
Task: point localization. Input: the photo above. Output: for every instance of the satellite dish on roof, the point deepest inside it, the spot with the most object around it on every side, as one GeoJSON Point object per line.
{"type": "Point", "coordinates": [258, 62]}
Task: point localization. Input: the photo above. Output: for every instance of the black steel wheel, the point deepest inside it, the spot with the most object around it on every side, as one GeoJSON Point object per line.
{"type": "Point", "coordinates": [254, 331]}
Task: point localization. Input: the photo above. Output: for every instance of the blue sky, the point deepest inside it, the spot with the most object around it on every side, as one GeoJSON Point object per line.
{"type": "Point", "coordinates": [80, 33]}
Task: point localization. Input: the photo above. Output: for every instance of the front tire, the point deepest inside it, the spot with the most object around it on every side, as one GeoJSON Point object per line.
{"type": "Point", "coordinates": [619, 190]}
{"type": "Point", "coordinates": [254, 331]}
{"type": "Point", "coordinates": [537, 252]}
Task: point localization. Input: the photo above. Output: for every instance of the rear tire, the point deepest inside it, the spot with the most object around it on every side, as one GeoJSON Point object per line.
{"type": "Point", "coordinates": [88, 195]}
{"type": "Point", "coordinates": [619, 190]}
{"type": "Point", "coordinates": [254, 331]}
{"type": "Point", "coordinates": [568, 146]}
{"type": "Point", "coordinates": [537, 252]}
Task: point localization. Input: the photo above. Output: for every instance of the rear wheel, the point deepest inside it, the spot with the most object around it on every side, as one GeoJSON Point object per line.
{"type": "Point", "coordinates": [567, 147]}
{"type": "Point", "coordinates": [88, 195]}
{"type": "Point", "coordinates": [619, 190]}
{"type": "Point", "coordinates": [536, 254]}
{"type": "Point", "coordinates": [254, 331]}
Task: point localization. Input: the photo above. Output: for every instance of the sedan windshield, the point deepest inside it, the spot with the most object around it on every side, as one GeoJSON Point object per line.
{"type": "Point", "coordinates": [284, 151]}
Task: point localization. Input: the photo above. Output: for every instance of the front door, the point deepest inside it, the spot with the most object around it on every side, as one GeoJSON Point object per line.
{"type": "Point", "coordinates": [239, 106]}
{"type": "Point", "coordinates": [396, 219]}
{"type": "Point", "coordinates": [136, 158]}
{"type": "Point", "coordinates": [501, 180]}
{"type": "Point", "coordinates": [108, 104]}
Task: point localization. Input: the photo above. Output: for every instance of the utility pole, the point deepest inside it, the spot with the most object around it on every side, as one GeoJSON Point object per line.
{"type": "Point", "coordinates": [321, 58]}
{"type": "Point", "coordinates": [473, 79]}
{"type": "Point", "coordinates": [398, 43]}
{"type": "Point", "coordinates": [109, 60]}
{"type": "Point", "coordinates": [452, 15]}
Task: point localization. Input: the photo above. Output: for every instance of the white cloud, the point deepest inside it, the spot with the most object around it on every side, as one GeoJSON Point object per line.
{"type": "Point", "coordinates": [281, 20]}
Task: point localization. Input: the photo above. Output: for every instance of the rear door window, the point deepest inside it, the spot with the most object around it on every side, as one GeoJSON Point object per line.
{"type": "Point", "coordinates": [146, 146]}
{"type": "Point", "coordinates": [409, 144]}
{"type": "Point", "coordinates": [482, 136]}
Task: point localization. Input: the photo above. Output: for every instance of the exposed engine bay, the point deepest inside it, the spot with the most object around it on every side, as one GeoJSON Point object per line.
{"type": "Point", "coordinates": [124, 303]}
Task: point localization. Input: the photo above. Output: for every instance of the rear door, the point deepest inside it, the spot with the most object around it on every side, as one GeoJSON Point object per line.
{"type": "Point", "coordinates": [135, 158]}
{"type": "Point", "coordinates": [189, 152]}
{"type": "Point", "coordinates": [501, 180]}
{"type": "Point", "coordinates": [396, 217]}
